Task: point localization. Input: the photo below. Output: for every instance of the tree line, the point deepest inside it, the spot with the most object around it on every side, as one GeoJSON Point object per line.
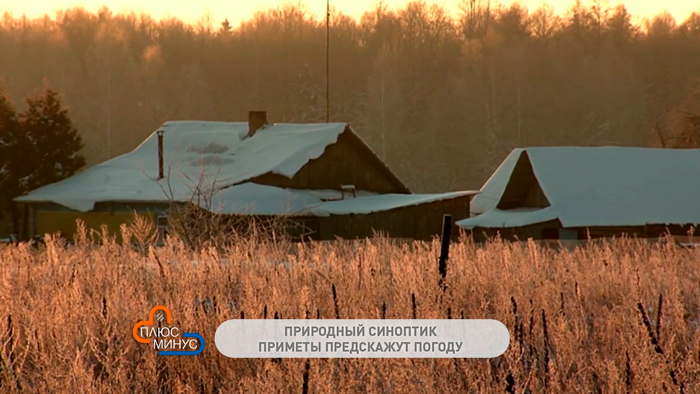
{"type": "Point", "coordinates": [441, 97]}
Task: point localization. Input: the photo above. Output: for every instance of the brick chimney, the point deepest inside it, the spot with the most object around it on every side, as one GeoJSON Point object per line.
{"type": "Point", "coordinates": [256, 120]}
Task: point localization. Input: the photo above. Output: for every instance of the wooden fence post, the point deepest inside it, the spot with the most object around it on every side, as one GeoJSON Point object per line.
{"type": "Point", "coordinates": [445, 247]}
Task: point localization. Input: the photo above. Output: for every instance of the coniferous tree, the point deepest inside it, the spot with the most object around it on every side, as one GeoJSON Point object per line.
{"type": "Point", "coordinates": [55, 151]}
{"type": "Point", "coordinates": [8, 130]}
{"type": "Point", "coordinates": [225, 27]}
{"type": "Point", "coordinates": [13, 147]}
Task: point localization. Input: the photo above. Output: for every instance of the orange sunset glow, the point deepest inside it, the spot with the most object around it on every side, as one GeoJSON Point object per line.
{"type": "Point", "coordinates": [238, 10]}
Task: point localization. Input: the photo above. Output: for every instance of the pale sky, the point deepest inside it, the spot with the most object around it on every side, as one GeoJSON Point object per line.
{"type": "Point", "coordinates": [236, 10]}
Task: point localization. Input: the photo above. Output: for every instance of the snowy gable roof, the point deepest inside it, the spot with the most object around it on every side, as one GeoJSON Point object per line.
{"type": "Point", "coordinates": [492, 190]}
{"type": "Point", "coordinates": [603, 186]}
{"type": "Point", "coordinates": [218, 154]}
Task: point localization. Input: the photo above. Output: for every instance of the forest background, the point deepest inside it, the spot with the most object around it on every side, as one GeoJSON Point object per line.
{"type": "Point", "coordinates": [441, 97]}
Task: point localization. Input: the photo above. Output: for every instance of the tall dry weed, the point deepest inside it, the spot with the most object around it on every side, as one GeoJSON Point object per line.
{"type": "Point", "coordinates": [618, 316]}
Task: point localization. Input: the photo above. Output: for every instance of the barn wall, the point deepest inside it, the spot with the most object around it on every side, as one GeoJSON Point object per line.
{"type": "Point", "coordinates": [535, 231]}
{"type": "Point", "coordinates": [343, 163]}
{"type": "Point", "coordinates": [417, 222]}
{"type": "Point", "coordinates": [650, 231]}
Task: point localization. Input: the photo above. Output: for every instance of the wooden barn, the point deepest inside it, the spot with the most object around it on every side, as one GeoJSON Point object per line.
{"type": "Point", "coordinates": [245, 168]}
{"type": "Point", "coordinates": [573, 193]}
{"type": "Point", "coordinates": [413, 216]}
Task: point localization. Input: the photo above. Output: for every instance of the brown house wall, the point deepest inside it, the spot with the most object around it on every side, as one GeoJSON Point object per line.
{"type": "Point", "coordinates": [420, 222]}
{"type": "Point", "coordinates": [650, 231]}
{"type": "Point", "coordinates": [50, 218]}
{"type": "Point", "coordinates": [535, 231]}
{"type": "Point", "coordinates": [344, 163]}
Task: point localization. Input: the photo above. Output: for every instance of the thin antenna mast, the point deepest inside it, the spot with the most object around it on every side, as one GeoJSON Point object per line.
{"type": "Point", "coordinates": [328, 67]}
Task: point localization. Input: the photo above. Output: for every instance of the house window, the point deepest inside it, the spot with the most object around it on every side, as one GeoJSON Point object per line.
{"type": "Point", "coordinates": [568, 233]}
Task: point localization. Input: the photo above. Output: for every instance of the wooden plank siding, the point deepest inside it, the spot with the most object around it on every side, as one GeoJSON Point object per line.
{"type": "Point", "coordinates": [534, 231]}
{"type": "Point", "coordinates": [420, 222]}
{"type": "Point", "coordinates": [649, 231]}
{"type": "Point", "coordinates": [539, 231]}
{"type": "Point", "coordinates": [523, 189]}
{"type": "Point", "coordinates": [347, 162]}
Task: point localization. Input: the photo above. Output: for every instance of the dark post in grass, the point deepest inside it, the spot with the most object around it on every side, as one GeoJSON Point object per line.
{"type": "Point", "coordinates": [445, 248]}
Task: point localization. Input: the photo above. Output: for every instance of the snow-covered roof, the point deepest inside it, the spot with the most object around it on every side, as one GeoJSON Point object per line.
{"type": "Point", "coordinates": [509, 218]}
{"type": "Point", "coordinates": [382, 202]}
{"type": "Point", "coordinates": [602, 186]}
{"type": "Point", "coordinates": [331, 195]}
{"type": "Point", "coordinates": [492, 190]}
{"type": "Point", "coordinates": [253, 199]}
{"type": "Point", "coordinates": [213, 154]}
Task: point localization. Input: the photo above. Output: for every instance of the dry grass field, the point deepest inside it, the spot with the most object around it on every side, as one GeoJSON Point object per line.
{"type": "Point", "coordinates": [611, 318]}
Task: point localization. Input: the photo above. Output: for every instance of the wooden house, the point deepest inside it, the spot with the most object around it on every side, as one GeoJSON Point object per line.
{"type": "Point", "coordinates": [576, 193]}
{"type": "Point", "coordinates": [245, 168]}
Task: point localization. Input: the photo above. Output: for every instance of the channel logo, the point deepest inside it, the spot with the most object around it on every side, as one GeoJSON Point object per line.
{"type": "Point", "coordinates": [165, 337]}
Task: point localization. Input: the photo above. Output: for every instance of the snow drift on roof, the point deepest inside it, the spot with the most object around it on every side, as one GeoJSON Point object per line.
{"type": "Point", "coordinates": [216, 153]}
{"type": "Point", "coordinates": [382, 202]}
{"type": "Point", "coordinates": [331, 195]}
{"type": "Point", "coordinates": [253, 199]}
{"type": "Point", "coordinates": [496, 218]}
{"type": "Point", "coordinates": [605, 186]}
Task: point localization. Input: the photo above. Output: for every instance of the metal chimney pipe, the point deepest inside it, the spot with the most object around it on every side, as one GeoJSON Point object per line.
{"type": "Point", "coordinates": [160, 154]}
